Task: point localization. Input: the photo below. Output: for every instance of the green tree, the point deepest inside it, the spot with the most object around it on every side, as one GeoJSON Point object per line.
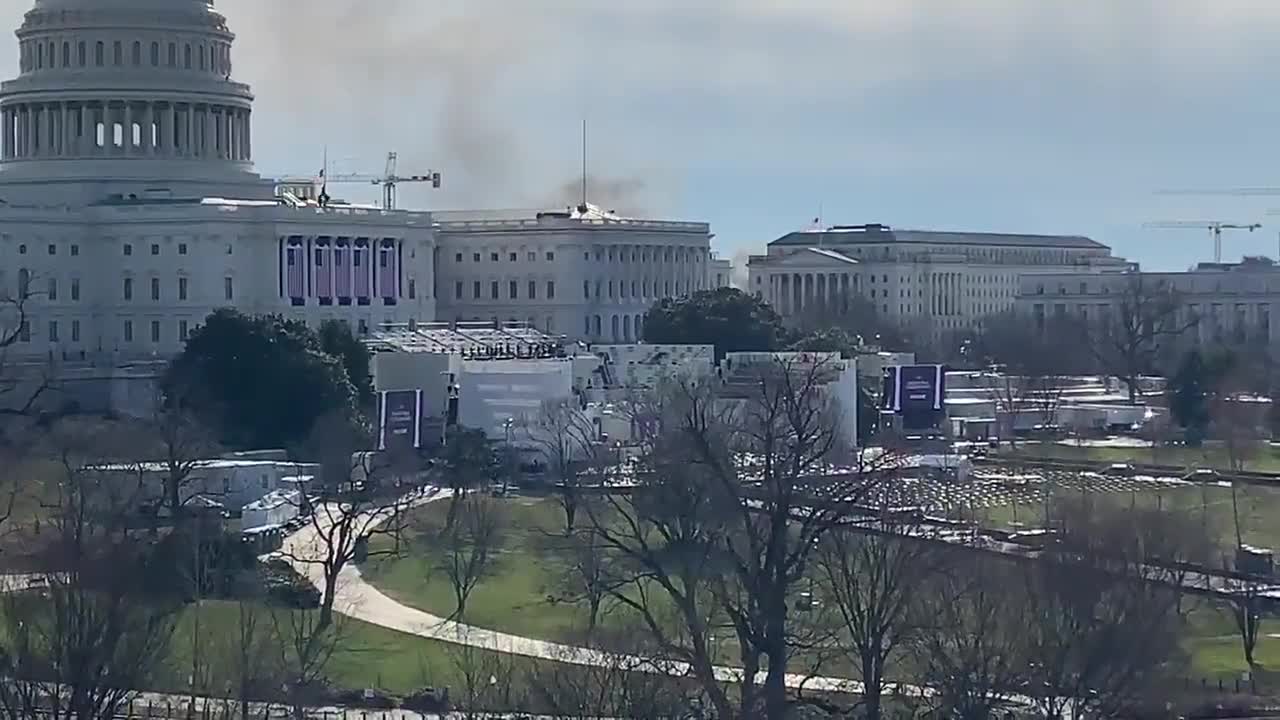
{"type": "Point", "coordinates": [831, 339]}
{"type": "Point", "coordinates": [726, 317]}
{"type": "Point", "coordinates": [1193, 386]}
{"type": "Point", "coordinates": [337, 340]}
{"type": "Point", "coordinates": [260, 382]}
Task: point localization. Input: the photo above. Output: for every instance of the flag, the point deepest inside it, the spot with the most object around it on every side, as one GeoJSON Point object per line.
{"type": "Point", "coordinates": [295, 284]}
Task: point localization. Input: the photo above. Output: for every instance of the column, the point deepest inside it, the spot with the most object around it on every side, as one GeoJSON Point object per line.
{"type": "Point", "coordinates": [210, 130]}
{"type": "Point", "coordinates": [248, 134]}
{"type": "Point", "coordinates": [82, 146]}
{"type": "Point", "coordinates": [6, 118]}
{"type": "Point", "coordinates": [68, 147]}
{"type": "Point", "coordinates": [170, 132]}
{"type": "Point", "coordinates": [127, 137]}
{"type": "Point", "coordinates": [146, 130]}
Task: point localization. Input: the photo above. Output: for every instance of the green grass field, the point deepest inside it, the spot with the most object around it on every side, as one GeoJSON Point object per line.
{"type": "Point", "coordinates": [517, 598]}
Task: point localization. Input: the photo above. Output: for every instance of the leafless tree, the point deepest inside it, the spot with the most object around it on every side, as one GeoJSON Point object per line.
{"type": "Point", "coordinates": [21, 385]}
{"type": "Point", "coordinates": [486, 679]}
{"type": "Point", "coordinates": [469, 461]}
{"type": "Point", "coordinates": [360, 499]}
{"type": "Point", "coordinates": [585, 576]}
{"type": "Point", "coordinates": [567, 439]}
{"type": "Point", "coordinates": [1126, 340]}
{"type": "Point", "coordinates": [79, 646]}
{"type": "Point", "coordinates": [468, 547]}
{"type": "Point", "coordinates": [872, 580]}
{"type": "Point", "coordinates": [741, 485]}
{"type": "Point", "coordinates": [608, 688]}
{"type": "Point", "coordinates": [306, 641]}
{"type": "Point", "coordinates": [1246, 606]}
{"type": "Point", "coordinates": [248, 650]}
{"type": "Point", "coordinates": [970, 645]}
{"type": "Point", "coordinates": [1102, 608]}
{"type": "Point", "coordinates": [182, 443]}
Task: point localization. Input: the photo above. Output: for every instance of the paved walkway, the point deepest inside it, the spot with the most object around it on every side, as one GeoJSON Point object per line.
{"type": "Point", "coordinates": [359, 599]}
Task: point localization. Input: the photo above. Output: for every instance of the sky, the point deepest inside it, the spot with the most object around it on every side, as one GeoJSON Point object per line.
{"type": "Point", "coordinates": [1050, 116]}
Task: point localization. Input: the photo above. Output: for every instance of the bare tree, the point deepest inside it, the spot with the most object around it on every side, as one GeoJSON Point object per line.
{"type": "Point", "coordinates": [306, 641]}
{"type": "Point", "coordinates": [1102, 608]}
{"type": "Point", "coordinates": [182, 442]}
{"type": "Point", "coordinates": [586, 575]}
{"type": "Point", "coordinates": [468, 547]}
{"type": "Point", "coordinates": [77, 648]}
{"type": "Point", "coordinates": [21, 384]}
{"type": "Point", "coordinates": [724, 521]}
{"type": "Point", "coordinates": [1126, 340]}
{"type": "Point", "coordinates": [486, 679]}
{"type": "Point", "coordinates": [1028, 365]}
{"type": "Point", "coordinates": [872, 580]}
{"type": "Point", "coordinates": [360, 499]}
{"type": "Point", "coordinates": [248, 650]}
{"type": "Point", "coordinates": [608, 688]}
{"type": "Point", "coordinates": [469, 460]}
{"type": "Point", "coordinates": [970, 645]}
{"type": "Point", "coordinates": [1246, 605]}
{"type": "Point", "coordinates": [568, 440]}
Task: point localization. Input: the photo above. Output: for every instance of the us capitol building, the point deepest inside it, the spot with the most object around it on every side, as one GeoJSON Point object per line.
{"type": "Point", "coordinates": [130, 209]}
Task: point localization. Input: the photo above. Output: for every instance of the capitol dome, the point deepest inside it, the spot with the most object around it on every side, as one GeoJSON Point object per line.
{"type": "Point", "coordinates": [125, 88]}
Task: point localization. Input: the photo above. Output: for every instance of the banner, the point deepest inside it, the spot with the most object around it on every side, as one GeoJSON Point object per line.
{"type": "Point", "coordinates": [400, 418]}
{"type": "Point", "coordinates": [915, 392]}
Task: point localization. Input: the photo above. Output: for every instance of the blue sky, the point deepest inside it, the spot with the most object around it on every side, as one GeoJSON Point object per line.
{"type": "Point", "coordinates": [1006, 115]}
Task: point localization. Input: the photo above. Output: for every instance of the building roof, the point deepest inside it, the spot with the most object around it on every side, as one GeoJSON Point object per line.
{"type": "Point", "coordinates": [477, 339]}
{"type": "Point", "coordinates": [878, 234]}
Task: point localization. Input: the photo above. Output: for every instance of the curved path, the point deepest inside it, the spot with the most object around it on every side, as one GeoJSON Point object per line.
{"type": "Point", "coordinates": [357, 598]}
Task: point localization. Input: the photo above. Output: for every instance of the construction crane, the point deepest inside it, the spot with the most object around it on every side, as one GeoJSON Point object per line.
{"type": "Point", "coordinates": [1214, 227]}
{"type": "Point", "coordinates": [389, 180]}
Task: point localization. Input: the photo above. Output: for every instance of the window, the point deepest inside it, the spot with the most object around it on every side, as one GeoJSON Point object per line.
{"type": "Point", "coordinates": [586, 288]}
{"type": "Point", "coordinates": [457, 289]}
{"type": "Point", "coordinates": [550, 256]}
{"type": "Point", "coordinates": [75, 289]}
{"type": "Point", "coordinates": [155, 54]}
{"type": "Point", "coordinates": [475, 290]}
{"type": "Point", "coordinates": [533, 289]}
{"type": "Point", "coordinates": [75, 251]}
{"type": "Point", "coordinates": [53, 249]}
{"type": "Point", "coordinates": [513, 289]}
{"type": "Point", "coordinates": [137, 53]}
{"type": "Point", "coordinates": [551, 289]}
{"type": "Point", "coordinates": [128, 331]}
{"type": "Point", "coordinates": [457, 257]}
{"type": "Point", "coordinates": [117, 52]}
{"type": "Point", "coordinates": [532, 256]}
{"type": "Point", "coordinates": [493, 257]}
{"type": "Point", "coordinates": [228, 289]}
{"type": "Point", "coordinates": [182, 248]}
{"type": "Point", "coordinates": [155, 331]}
{"type": "Point", "coordinates": [413, 289]}
{"type": "Point", "coordinates": [204, 55]}
{"type": "Point", "coordinates": [53, 289]}
{"type": "Point", "coordinates": [75, 331]}
{"type": "Point", "coordinates": [155, 288]}
{"type": "Point", "coordinates": [610, 288]}
{"type": "Point", "coordinates": [173, 55]}
{"type": "Point", "coordinates": [66, 54]}
{"type": "Point", "coordinates": [493, 290]}
{"type": "Point", "coordinates": [128, 249]}
{"type": "Point", "coordinates": [53, 331]}
{"type": "Point", "coordinates": [475, 257]}
{"type": "Point", "coordinates": [182, 330]}
{"type": "Point", "coordinates": [81, 55]}
{"type": "Point", "coordinates": [512, 257]}
{"type": "Point", "coordinates": [186, 57]}
{"type": "Point", "coordinates": [182, 288]}
{"type": "Point", "coordinates": [22, 249]}
{"type": "Point", "coordinates": [128, 288]}
{"type": "Point", "coordinates": [155, 249]}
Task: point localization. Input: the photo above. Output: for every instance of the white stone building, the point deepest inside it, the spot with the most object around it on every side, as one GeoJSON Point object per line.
{"type": "Point", "coordinates": [945, 280]}
{"type": "Point", "coordinates": [582, 273]}
{"type": "Point", "coordinates": [130, 209]}
{"type": "Point", "coordinates": [1232, 302]}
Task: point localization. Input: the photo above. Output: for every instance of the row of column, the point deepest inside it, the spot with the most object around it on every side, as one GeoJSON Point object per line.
{"type": "Point", "coordinates": [793, 293]}
{"type": "Point", "coordinates": [34, 131]}
{"type": "Point", "coordinates": [945, 293]}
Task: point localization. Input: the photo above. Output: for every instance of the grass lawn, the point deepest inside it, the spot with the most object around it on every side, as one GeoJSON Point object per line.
{"type": "Point", "coordinates": [520, 595]}
{"type": "Point", "coordinates": [368, 656]}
